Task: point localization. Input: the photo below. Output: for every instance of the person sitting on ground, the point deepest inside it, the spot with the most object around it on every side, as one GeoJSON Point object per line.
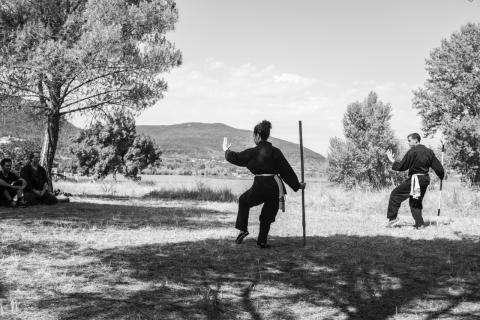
{"type": "Point", "coordinates": [11, 185]}
{"type": "Point", "coordinates": [37, 182]}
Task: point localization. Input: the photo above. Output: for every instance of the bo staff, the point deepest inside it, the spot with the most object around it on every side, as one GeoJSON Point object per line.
{"type": "Point", "coordinates": [303, 177]}
{"type": "Point", "coordinates": [441, 184]}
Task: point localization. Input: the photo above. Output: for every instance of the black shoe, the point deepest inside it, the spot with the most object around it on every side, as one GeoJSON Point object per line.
{"type": "Point", "coordinates": [420, 227]}
{"type": "Point", "coordinates": [263, 245]}
{"type": "Point", "coordinates": [241, 236]}
{"type": "Point", "coordinates": [21, 203]}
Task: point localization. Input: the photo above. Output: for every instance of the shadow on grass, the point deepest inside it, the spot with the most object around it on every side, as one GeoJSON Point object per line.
{"type": "Point", "coordinates": [127, 216]}
{"type": "Point", "coordinates": [334, 277]}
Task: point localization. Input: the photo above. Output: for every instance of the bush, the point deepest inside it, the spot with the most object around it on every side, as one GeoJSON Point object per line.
{"type": "Point", "coordinates": [201, 193]}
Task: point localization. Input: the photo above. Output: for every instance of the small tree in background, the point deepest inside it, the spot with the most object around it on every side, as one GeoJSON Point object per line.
{"type": "Point", "coordinates": [360, 159]}
{"type": "Point", "coordinates": [112, 146]}
{"type": "Point", "coordinates": [142, 153]}
{"type": "Point", "coordinates": [449, 103]}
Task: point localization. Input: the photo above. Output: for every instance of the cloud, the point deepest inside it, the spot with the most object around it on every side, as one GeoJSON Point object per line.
{"type": "Point", "coordinates": [244, 88]}
{"type": "Point", "coordinates": [241, 95]}
{"type": "Point", "coordinates": [294, 79]}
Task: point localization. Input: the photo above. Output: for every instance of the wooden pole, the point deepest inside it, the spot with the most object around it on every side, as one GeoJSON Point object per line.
{"type": "Point", "coordinates": [441, 184]}
{"type": "Point", "coordinates": [303, 180]}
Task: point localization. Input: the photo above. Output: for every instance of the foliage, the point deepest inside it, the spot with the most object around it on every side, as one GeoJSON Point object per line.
{"type": "Point", "coordinates": [360, 159]}
{"type": "Point", "coordinates": [112, 146]}
{"type": "Point", "coordinates": [142, 153]}
{"type": "Point", "coordinates": [449, 102]}
{"type": "Point", "coordinates": [202, 192]}
{"type": "Point", "coordinates": [74, 56]}
{"type": "Point", "coordinates": [17, 150]}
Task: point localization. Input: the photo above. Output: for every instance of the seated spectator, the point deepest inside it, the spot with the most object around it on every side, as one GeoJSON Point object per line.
{"type": "Point", "coordinates": [11, 185]}
{"type": "Point", "coordinates": [35, 175]}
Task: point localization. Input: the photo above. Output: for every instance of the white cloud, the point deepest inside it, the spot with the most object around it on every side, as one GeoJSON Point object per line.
{"type": "Point", "coordinates": [242, 95]}
{"type": "Point", "coordinates": [294, 79]}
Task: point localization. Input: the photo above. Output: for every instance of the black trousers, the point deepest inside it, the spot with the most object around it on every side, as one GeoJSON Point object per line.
{"type": "Point", "coordinates": [264, 190]}
{"type": "Point", "coordinates": [402, 193]}
{"type": "Point", "coordinates": [33, 199]}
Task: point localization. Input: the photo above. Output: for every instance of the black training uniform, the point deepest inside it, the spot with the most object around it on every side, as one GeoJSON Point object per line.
{"type": "Point", "coordinates": [10, 178]}
{"type": "Point", "coordinates": [36, 179]}
{"type": "Point", "coordinates": [418, 160]}
{"type": "Point", "coordinates": [262, 159]}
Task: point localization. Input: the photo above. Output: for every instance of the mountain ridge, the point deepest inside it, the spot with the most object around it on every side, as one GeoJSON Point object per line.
{"type": "Point", "coordinates": [204, 140]}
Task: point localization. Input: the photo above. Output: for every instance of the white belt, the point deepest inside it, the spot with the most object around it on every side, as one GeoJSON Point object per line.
{"type": "Point", "coordinates": [415, 186]}
{"type": "Point", "coordinates": [281, 193]}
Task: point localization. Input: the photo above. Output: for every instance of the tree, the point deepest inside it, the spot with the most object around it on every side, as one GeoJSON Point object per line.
{"type": "Point", "coordinates": [360, 160]}
{"type": "Point", "coordinates": [449, 102]}
{"type": "Point", "coordinates": [112, 146]}
{"type": "Point", "coordinates": [81, 56]}
{"type": "Point", "coordinates": [142, 153]}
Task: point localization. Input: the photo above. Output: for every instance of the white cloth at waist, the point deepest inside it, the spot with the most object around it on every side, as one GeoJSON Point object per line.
{"type": "Point", "coordinates": [415, 191]}
{"type": "Point", "coordinates": [281, 191]}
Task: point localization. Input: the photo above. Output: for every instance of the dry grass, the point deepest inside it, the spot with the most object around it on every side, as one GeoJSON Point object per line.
{"type": "Point", "coordinates": [152, 259]}
{"type": "Point", "coordinates": [200, 193]}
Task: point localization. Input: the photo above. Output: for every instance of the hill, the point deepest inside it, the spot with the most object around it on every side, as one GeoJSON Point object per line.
{"type": "Point", "coordinates": [203, 141]}
{"type": "Point", "coordinates": [27, 125]}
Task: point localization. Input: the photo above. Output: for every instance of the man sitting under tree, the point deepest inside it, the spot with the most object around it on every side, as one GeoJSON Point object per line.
{"type": "Point", "coordinates": [37, 182]}
{"type": "Point", "coordinates": [418, 160]}
{"type": "Point", "coordinates": [11, 185]}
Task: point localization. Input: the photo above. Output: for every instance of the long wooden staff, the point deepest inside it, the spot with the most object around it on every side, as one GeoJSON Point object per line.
{"type": "Point", "coordinates": [303, 178]}
{"type": "Point", "coordinates": [441, 184]}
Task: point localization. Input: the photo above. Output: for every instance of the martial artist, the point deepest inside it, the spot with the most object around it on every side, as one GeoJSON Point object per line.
{"type": "Point", "coordinates": [270, 167]}
{"type": "Point", "coordinates": [37, 182]}
{"type": "Point", "coordinates": [418, 160]}
{"type": "Point", "coordinates": [11, 185]}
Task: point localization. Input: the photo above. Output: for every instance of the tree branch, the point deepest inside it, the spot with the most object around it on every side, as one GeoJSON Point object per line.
{"type": "Point", "coordinates": [90, 107]}
{"type": "Point", "coordinates": [93, 96]}
{"type": "Point", "coordinates": [37, 94]}
{"type": "Point", "coordinates": [95, 79]}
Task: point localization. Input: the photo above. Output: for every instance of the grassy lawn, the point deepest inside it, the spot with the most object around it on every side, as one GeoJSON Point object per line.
{"type": "Point", "coordinates": [135, 258]}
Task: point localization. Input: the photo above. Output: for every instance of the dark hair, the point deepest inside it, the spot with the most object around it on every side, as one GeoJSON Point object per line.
{"type": "Point", "coordinates": [263, 129]}
{"type": "Point", "coordinates": [32, 155]}
{"type": "Point", "coordinates": [5, 160]}
{"type": "Point", "coordinates": [415, 136]}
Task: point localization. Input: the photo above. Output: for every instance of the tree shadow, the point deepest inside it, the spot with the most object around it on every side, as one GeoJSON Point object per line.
{"type": "Point", "coordinates": [346, 277]}
{"type": "Point", "coordinates": [125, 216]}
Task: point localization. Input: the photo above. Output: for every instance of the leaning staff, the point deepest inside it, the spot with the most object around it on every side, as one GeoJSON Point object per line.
{"type": "Point", "coordinates": [303, 180]}
{"type": "Point", "coordinates": [270, 168]}
{"type": "Point", "coordinates": [441, 183]}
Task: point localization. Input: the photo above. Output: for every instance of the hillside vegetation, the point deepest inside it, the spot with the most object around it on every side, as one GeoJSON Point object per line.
{"type": "Point", "coordinates": [195, 142]}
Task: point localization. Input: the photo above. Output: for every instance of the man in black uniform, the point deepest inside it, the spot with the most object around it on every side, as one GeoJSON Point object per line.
{"type": "Point", "coordinates": [268, 164]}
{"type": "Point", "coordinates": [11, 185]}
{"type": "Point", "coordinates": [37, 182]}
{"type": "Point", "coordinates": [418, 160]}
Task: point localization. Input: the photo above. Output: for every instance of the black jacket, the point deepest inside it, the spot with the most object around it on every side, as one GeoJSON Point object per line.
{"type": "Point", "coordinates": [419, 159]}
{"type": "Point", "coordinates": [34, 181]}
{"type": "Point", "coordinates": [265, 159]}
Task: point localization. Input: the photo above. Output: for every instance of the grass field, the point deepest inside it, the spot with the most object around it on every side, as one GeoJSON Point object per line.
{"type": "Point", "coordinates": [118, 256]}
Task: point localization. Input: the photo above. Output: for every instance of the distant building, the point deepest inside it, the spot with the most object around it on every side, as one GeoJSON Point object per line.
{"type": "Point", "coordinates": [9, 140]}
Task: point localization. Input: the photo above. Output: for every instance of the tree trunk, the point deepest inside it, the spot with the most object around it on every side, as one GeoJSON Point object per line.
{"type": "Point", "coordinates": [49, 147]}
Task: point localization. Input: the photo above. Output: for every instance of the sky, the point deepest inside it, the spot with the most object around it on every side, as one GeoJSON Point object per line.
{"type": "Point", "coordinates": [285, 61]}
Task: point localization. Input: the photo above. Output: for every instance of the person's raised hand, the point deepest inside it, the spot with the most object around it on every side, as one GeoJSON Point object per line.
{"type": "Point", "coordinates": [226, 145]}
{"type": "Point", "coordinates": [303, 185]}
{"type": "Point", "coordinates": [390, 155]}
